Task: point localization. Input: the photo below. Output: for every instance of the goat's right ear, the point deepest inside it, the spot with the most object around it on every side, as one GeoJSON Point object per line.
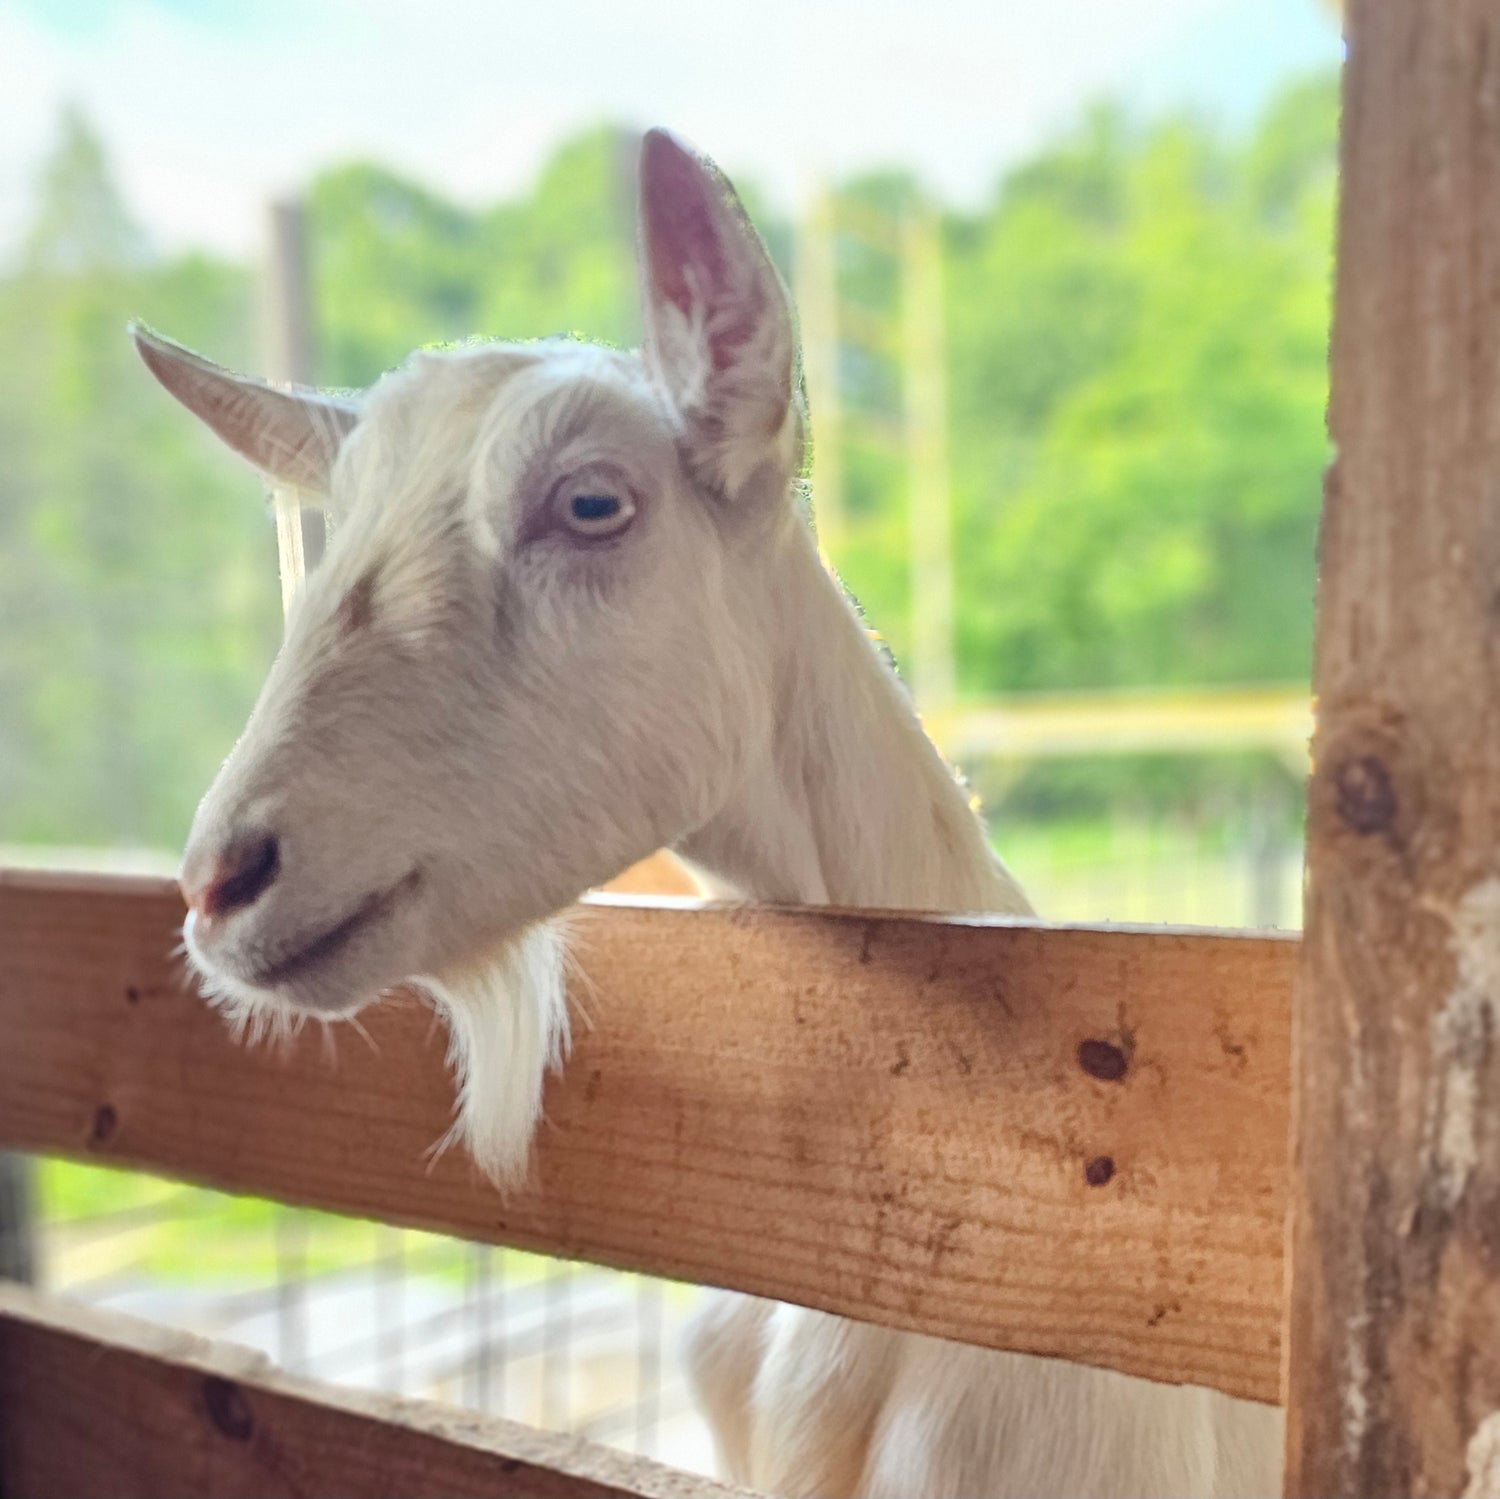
{"type": "Point", "coordinates": [291, 436]}
{"type": "Point", "coordinates": [719, 331]}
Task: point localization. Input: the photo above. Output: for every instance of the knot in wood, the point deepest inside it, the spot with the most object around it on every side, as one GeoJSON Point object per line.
{"type": "Point", "coordinates": [1102, 1059]}
{"type": "Point", "coordinates": [1099, 1170]}
{"type": "Point", "coordinates": [105, 1121]}
{"type": "Point", "coordinates": [227, 1408]}
{"type": "Point", "coordinates": [1366, 795]}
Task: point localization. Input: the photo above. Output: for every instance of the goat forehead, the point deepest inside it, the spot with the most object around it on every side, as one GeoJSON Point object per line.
{"type": "Point", "coordinates": [419, 423]}
{"type": "Point", "coordinates": [472, 422]}
{"type": "Point", "coordinates": [459, 389]}
{"type": "Point", "coordinates": [568, 411]}
{"type": "Point", "coordinates": [428, 425]}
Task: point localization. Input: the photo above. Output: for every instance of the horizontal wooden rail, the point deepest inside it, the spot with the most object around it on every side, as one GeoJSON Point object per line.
{"type": "Point", "coordinates": [99, 1404]}
{"type": "Point", "coordinates": [1067, 1141]}
{"type": "Point", "coordinates": [1045, 725]}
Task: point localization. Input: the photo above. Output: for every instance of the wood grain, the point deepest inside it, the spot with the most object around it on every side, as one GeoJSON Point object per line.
{"type": "Point", "coordinates": [1394, 1346]}
{"type": "Point", "coordinates": [98, 1404]}
{"type": "Point", "coordinates": [1062, 1141]}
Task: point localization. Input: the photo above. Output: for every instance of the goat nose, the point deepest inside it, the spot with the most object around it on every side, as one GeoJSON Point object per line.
{"type": "Point", "coordinates": [237, 875]}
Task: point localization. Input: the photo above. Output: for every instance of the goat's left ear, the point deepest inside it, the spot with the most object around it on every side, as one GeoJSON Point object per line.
{"type": "Point", "coordinates": [719, 330]}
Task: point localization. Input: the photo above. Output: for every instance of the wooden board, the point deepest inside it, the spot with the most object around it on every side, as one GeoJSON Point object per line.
{"type": "Point", "coordinates": [92, 1403]}
{"type": "Point", "coordinates": [1063, 1141]}
{"type": "Point", "coordinates": [662, 873]}
{"type": "Point", "coordinates": [1395, 1316]}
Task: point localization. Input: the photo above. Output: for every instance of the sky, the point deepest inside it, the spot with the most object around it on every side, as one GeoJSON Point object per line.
{"type": "Point", "coordinates": [211, 107]}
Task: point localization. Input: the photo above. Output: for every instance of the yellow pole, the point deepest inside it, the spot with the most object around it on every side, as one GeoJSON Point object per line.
{"type": "Point", "coordinates": [930, 521]}
{"type": "Point", "coordinates": [816, 276]}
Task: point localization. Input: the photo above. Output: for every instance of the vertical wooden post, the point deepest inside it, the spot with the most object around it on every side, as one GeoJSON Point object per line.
{"type": "Point", "coordinates": [300, 529]}
{"type": "Point", "coordinates": [301, 537]}
{"type": "Point", "coordinates": [17, 1218]}
{"type": "Point", "coordinates": [1394, 1339]}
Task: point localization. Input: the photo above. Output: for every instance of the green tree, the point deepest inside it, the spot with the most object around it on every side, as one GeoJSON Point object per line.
{"type": "Point", "coordinates": [1146, 504]}
{"type": "Point", "coordinates": [126, 548]}
{"type": "Point", "coordinates": [1136, 332]}
{"type": "Point", "coordinates": [394, 266]}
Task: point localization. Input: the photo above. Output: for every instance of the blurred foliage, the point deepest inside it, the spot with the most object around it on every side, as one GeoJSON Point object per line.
{"type": "Point", "coordinates": [135, 607]}
{"type": "Point", "coordinates": [1137, 326]}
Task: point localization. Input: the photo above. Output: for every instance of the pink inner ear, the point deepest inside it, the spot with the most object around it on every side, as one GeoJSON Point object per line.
{"type": "Point", "coordinates": [679, 216]}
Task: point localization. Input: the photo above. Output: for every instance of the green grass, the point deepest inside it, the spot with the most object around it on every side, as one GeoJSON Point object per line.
{"type": "Point", "coordinates": [98, 1222]}
{"type": "Point", "coordinates": [1145, 872]}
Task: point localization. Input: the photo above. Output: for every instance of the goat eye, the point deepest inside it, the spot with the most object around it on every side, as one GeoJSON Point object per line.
{"type": "Point", "coordinates": [596, 515]}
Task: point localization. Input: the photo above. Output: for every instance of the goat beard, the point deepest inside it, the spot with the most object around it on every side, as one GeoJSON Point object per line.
{"type": "Point", "coordinates": [506, 1009]}
{"type": "Point", "coordinates": [507, 1015]}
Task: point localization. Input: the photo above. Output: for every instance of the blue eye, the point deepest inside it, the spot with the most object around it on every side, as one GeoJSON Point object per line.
{"type": "Point", "coordinates": [595, 507]}
{"type": "Point", "coordinates": [592, 514]}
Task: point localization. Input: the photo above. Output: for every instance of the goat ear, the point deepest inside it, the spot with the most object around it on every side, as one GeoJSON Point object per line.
{"type": "Point", "coordinates": [291, 436]}
{"type": "Point", "coordinates": [719, 331]}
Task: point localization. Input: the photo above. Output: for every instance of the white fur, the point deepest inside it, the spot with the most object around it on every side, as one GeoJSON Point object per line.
{"type": "Point", "coordinates": [502, 718]}
{"type": "Point", "coordinates": [507, 1028]}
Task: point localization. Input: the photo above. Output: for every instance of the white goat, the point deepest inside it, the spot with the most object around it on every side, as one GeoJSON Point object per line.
{"type": "Point", "coordinates": [572, 612]}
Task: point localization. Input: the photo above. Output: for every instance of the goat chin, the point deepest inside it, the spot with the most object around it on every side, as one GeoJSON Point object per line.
{"type": "Point", "coordinates": [806, 1404]}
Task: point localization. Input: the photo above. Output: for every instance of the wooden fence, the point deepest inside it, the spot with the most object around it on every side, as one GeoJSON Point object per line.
{"type": "Point", "coordinates": [1060, 1141]}
{"type": "Point", "coordinates": [898, 1118]}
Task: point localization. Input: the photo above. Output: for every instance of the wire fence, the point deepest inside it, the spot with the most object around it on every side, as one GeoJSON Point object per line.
{"type": "Point", "coordinates": [556, 1345]}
